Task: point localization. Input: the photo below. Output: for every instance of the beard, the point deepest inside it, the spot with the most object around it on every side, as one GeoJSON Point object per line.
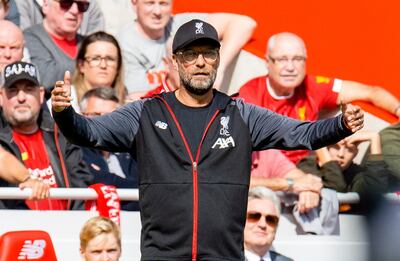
{"type": "Point", "coordinates": [198, 87]}
{"type": "Point", "coordinates": [24, 119]}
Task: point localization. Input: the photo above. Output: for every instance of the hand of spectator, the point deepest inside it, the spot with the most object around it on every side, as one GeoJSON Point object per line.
{"type": "Point", "coordinates": [353, 117]}
{"type": "Point", "coordinates": [61, 94]}
{"type": "Point", "coordinates": [362, 136]}
{"type": "Point", "coordinates": [307, 201]}
{"type": "Point", "coordinates": [307, 182]}
{"type": "Point", "coordinates": [323, 156]}
{"type": "Point", "coordinates": [40, 190]}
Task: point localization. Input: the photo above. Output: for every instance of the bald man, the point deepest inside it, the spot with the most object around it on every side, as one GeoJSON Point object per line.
{"type": "Point", "coordinates": [288, 90]}
{"type": "Point", "coordinates": [11, 43]}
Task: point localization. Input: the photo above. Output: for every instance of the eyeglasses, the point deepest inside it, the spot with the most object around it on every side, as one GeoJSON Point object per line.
{"type": "Point", "coordinates": [284, 61]}
{"type": "Point", "coordinates": [190, 56]}
{"type": "Point", "coordinates": [96, 60]}
{"type": "Point", "coordinates": [66, 5]}
{"type": "Point", "coordinates": [269, 219]}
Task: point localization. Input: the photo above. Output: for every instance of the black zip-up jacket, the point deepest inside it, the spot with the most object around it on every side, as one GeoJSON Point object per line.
{"type": "Point", "coordinates": [193, 207]}
{"type": "Point", "coordinates": [78, 173]}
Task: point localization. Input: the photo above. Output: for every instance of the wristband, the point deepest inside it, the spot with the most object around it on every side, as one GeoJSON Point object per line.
{"type": "Point", "coordinates": [290, 183]}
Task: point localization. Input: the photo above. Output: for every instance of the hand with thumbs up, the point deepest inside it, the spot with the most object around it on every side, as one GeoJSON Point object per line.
{"type": "Point", "coordinates": [61, 94]}
{"type": "Point", "coordinates": [353, 117]}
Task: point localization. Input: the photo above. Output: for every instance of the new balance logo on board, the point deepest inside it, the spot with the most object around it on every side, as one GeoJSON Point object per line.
{"type": "Point", "coordinates": [32, 250]}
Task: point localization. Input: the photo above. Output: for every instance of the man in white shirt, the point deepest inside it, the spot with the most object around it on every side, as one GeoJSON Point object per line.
{"type": "Point", "coordinates": [263, 212]}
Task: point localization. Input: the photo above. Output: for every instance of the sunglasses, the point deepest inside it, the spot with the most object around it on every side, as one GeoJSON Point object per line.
{"type": "Point", "coordinates": [269, 219]}
{"type": "Point", "coordinates": [66, 5]}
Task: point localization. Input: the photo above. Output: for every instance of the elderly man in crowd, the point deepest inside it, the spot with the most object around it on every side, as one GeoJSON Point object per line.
{"type": "Point", "coordinates": [289, 90]}
{"type": "Point", "coordinates": [262, 219]}
{"type": "Point", "coordinates": [11, 44]}
{"type": "Point", "coordinates": [30, 13]}
{"type": "Point", "coordinates": [53, 44]}
{"type": "Point", "coordinates": [143, 41]}
{"type": "Point", "coordinates": [29, 133]}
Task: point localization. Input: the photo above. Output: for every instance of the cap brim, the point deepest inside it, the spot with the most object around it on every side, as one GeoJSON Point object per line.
{"type": "Point", "coordinates": [9, 83]}
{"type": "Point", "coordinates": [204, 38]}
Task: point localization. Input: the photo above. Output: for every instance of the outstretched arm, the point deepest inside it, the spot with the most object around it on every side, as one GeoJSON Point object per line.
{"type": "Point", "coordinates": [377, 95]}
{"type": "Point", "coordinates": [15, 172]}
{"type": "Point", "coordinates": [112, 132]}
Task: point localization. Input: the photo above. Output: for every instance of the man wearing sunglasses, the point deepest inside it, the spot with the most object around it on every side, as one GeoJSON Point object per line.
{"type": "Point", "coordinates": [263, 212]}
{"type": "Point", "coordinates": [53, 44]}
{"type": "Point", "coordinates": [193, 150]}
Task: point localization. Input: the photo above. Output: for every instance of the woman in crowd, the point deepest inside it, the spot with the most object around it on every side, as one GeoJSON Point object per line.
{"type": "Point", "coordinates": [100, 239]}
{"type": "Point", "coordinates": [98, 64]}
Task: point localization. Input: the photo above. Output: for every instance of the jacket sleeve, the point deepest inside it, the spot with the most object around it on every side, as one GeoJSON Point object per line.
{"type": "Point", "coordinates": [112, 132]}
{"type": "Point", "coordinates": [271, 130]}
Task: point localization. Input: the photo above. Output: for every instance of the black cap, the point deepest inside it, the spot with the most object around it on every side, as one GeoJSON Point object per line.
{"type": "Point", "coordinates": [192, 31]}
{"type": "Point", "coordinates": [20, 71]}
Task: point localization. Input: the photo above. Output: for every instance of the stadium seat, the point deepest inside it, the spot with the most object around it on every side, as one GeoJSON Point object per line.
{"type": "Point", "coordinates": [26, 245]}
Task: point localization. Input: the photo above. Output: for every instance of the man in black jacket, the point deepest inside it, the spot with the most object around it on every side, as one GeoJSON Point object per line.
{"type": "Point", "coordinates": [28, 132]}
{"type": "Point", "coordinates": [194, 151]}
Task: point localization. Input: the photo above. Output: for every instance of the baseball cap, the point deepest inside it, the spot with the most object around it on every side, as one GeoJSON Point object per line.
{"type": "Point", "coordinates": [20, 71]}
{"type": "Point", "coordinates": [192, 31]}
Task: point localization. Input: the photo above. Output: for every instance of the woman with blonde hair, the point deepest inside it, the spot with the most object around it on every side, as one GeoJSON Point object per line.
{"type": "Point", "coordinates": [98, 64]}
{"type": "Point", "coordinates": [100, 239]}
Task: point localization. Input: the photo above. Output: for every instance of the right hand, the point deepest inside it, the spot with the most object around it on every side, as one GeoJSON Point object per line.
{"type": "Point", "coordinates": [307, 201]}
{"type": "Point", "coordinates": [40, 190]}
{"type": "Point", "coordinates": [61, 94]}
{"type": "Point", "coordinates": [307, 182]}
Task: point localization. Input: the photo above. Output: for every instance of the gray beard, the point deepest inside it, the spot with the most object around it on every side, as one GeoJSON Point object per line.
{"type": "Point", "coordinates": [197, 89]}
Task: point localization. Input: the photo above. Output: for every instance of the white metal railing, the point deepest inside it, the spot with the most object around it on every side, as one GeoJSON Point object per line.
{"type": "Point", "coordinates": [67, 193]}
{"type": "Point", "coordinates": [132, 194]}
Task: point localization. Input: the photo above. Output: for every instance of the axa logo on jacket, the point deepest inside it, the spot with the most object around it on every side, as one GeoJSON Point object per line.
{"type": "Point", "coordinates": [226, 141]}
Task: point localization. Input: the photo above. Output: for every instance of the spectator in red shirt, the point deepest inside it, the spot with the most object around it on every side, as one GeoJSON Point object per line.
{"type": "Point", "coordinates": [289, 90]}
{"type": "Point", "coordinates": [28, 132]}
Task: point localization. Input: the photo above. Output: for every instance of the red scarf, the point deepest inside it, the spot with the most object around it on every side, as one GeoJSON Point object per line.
{"type": "Point", "coordinates": [107, 203]}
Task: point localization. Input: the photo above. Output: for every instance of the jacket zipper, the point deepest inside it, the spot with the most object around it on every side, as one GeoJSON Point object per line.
{"type": "Point", "coordinates": [194, 172]}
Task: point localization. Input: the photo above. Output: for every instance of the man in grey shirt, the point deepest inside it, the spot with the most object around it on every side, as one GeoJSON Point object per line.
{"type": "Point", "coordinates": [143, 41]}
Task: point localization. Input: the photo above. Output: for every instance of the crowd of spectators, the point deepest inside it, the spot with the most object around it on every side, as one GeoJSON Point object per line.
{"type": "Point", "coordinates": [111, 63]}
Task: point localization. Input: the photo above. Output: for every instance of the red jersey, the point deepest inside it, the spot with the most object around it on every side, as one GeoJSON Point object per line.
{"type": "Point", "coordinates": [70, 48]}
{"type": "Point", "coordinates": [35, 158]}
{"type": "Point", "coordinates": [162, 87]}
{"type": "Point", "coordinates": [313, 95]}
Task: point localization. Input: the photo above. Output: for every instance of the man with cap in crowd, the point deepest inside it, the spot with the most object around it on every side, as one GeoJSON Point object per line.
{"type": "Point", "coordinates": [193, 149]}
{"type": "Point", "coordinates": [28, 132]}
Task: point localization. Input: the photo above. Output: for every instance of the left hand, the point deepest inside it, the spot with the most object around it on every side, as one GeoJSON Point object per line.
{"type": "Point", "coordinates": [40, 190]}
{"type": "Point", "coordinates": [307, 201]}
{"type": "Point", "coordinates": [353, 117]}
